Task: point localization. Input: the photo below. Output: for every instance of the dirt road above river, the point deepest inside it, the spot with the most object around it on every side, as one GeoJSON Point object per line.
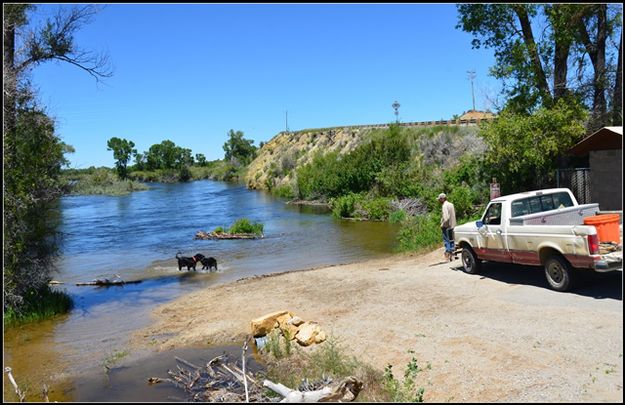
{"type": "Point", "coordinates": [498, 336]}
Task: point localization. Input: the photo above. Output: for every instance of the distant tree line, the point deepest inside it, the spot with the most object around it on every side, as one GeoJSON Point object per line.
{"type": "Point", "coordinates": [169, 156]}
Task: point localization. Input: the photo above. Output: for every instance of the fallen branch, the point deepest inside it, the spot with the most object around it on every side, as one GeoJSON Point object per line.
{"type": "Point", "coordinates": [223, 381]}
{"type": "Point", "coordinates": [346, 391]}
{"type": "Point", "coordinates": [247, 395]}
{"type": "Point", "coordinates": [213, 235]}
{"type": "Point", "coordinates": [21, 395]}
{"type": "Point", "coordinates": [107, 282]}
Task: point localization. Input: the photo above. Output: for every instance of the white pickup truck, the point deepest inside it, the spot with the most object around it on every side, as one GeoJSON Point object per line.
{"type": "Point", "coordinates": [538, 228]}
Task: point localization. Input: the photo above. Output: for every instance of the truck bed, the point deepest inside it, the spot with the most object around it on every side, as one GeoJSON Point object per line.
{"type": "Point", "coordinates": [562, 216]}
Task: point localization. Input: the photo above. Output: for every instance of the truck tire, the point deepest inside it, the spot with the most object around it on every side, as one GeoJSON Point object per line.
{"type": "Point", "coordinates": [559, 273]}
{"type": "Point", "coordinates": [470, 263]}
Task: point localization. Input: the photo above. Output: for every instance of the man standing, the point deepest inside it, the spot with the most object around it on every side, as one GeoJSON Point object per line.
{"type": "Point", "coordinates": [448, 223]}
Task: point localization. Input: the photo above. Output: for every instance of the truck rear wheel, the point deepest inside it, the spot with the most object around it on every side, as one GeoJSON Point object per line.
{"type": "Point", "coordinates": [470, 263]}
{"type": "Point", "coordinates": [559, 273]}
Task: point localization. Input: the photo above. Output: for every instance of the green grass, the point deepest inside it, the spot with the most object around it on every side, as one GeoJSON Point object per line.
{"type": "Point", "coordinates": [244, 225]}
{"type": "Point", "coordinates": [38, 306]}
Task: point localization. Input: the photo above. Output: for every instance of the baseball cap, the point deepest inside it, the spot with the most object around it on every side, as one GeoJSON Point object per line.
{"type": "Point", "coordinates": [441, 195]}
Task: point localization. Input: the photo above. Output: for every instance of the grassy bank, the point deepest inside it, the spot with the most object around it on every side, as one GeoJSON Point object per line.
{"type": "Point", "coordinates": [99, 181]}
{"type": "Point", "coordinates": [104, 180]}
{"type": "Point", "coordinates": [39, 306]}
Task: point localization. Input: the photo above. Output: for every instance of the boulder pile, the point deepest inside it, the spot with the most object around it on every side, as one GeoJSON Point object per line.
{"type": "Point", "coordinates": [292, 327]}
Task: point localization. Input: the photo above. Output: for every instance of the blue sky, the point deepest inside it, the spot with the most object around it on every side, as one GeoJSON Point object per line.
{"type": "Point", "coordinates": [191, 72]}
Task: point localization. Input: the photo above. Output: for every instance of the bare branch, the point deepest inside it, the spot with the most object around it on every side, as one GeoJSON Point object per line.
{"type": "Point", "coordinates": [55, 41]}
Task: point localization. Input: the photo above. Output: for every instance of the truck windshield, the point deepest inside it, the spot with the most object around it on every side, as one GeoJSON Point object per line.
{"type": "Point", "coordinates": [540, 203]}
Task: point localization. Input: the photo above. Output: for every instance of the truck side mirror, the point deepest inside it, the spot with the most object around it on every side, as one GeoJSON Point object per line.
{"type": "Point", "coordinates": [479, 224]}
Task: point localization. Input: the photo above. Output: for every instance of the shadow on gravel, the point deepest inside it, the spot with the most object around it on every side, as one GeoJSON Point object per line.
{"type": "Point", "coordinates": [587, 283]}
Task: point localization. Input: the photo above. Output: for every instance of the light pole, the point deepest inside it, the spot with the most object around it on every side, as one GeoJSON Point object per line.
{"type": "Point", "coordinates": [396, 107]}
{"type": "Point", "coordinates": [471, 74]}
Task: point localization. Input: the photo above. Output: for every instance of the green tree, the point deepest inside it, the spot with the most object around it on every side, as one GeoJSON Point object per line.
{"type": "Point", "coordinates": [200, 159]}
{"type": "Point", "coordinates": [139, 161]}
{"type": "Point", "coordinates": [164, 155]}
{"type": "Point", "coordinates": [238, 149]}
{"type": "Point", "coordinates": [523, 149]}
{"type": "Point", "coordinates": [573, 34]}
{"type": "Point", "coordinates": [122, 152]}
{"type": "Point", "coordinates": [33, 153]}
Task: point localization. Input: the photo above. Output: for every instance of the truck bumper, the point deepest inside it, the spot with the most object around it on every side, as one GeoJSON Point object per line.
{"type": "Point", "coordinates": [604, 265]}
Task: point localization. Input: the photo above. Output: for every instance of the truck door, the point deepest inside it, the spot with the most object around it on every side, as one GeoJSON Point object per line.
{"type": "Point", "coordinates": [492, 237]}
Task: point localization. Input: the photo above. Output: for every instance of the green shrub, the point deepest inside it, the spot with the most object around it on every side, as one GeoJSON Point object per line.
{"type": "Point", "coordinates": [244, 225]}
{"type": "Point", "coordinates": [284, 191]}
{"type": "Point", "coordinates": [406, 390]}
{"type": "Point", "coordinates": [377, 208]}
{"type": "Point", "coordinates": [397, 217]}
{"type": "Point", "coordinates": [420, 233]}
{"type": "Point", "coordinates": [345, 205]}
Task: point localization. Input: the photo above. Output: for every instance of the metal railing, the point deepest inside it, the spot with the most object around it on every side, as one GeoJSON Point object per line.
{"type": "Point", "coordinates": [577, 180]}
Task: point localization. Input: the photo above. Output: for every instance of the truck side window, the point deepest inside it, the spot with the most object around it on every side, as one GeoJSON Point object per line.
{"type": "Point", "coordinates": [547, 202]}
{"type": "Point", "coordinates": [535, 205]}
{"type": "Point", "coordinates": [493, 214]}
{"type": "Point", "coordinates": [562, 200]}
{"type": "Point", "coordinates": [520, 207]}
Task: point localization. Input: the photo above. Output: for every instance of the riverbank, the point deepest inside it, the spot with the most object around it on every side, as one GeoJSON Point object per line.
{"type": "Point", "coordinates": [502, 336]}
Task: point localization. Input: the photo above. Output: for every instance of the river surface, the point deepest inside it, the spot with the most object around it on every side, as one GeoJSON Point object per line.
{"type": "Point", "coordinates": [136, 237]}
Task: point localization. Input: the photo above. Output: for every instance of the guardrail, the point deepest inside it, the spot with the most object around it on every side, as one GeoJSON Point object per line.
{"type": "Point", "coordinates": [457, 122]}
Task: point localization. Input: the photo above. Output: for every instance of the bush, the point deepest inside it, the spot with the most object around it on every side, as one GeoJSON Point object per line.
{"type": "Point", "coordinates": [284, 191]}
{"type": "Point", "coordinates": [405, 391]}
{"type": "Point", "coordinates": [244, 225]}
{"type": "Point", "coordinates": [463, 199]}
{"type": "Point", "coordinates": [420, 233]}
{"type": "Point", "coordinates": [345, 206]}
{"type": "Point", "coordinates": [377, 208]}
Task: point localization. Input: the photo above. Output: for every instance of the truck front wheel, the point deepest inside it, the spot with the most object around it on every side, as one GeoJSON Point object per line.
{"type": "Point", "coordinates": [559, 273]}
{"type": "Point", "coordinates": [470, 263]}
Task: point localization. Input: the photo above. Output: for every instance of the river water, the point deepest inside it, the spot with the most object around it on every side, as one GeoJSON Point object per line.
{"type": "Point", "coordinates": [136, 237]}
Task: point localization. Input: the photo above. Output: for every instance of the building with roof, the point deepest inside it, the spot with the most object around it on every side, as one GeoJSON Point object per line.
{"type": "Point", "coordinates": [476, 115]}
{"type": "Point", "coordinates": [605, 152]}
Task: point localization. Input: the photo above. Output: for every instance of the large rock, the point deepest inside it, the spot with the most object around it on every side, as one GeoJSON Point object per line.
{"type": "Point", "coordinates": [266, 323]}
{"type": "Point", "coordinates": [308, 332]}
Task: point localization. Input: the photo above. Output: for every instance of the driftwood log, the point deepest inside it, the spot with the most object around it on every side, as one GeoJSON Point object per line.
{"type": "Point", "coordinates": [346, 391]}
{"type": "Point", "coordinates": [103, 281]}
{"type": "Point", "coordinates": [213, 235]}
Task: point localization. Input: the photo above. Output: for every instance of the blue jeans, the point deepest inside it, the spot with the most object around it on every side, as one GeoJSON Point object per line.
{"type": "Point", "coordinates": [448, 239]}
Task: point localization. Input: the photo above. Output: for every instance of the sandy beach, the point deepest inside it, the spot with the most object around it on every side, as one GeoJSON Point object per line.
{"type": "Point", "coordinates": [498, 336]}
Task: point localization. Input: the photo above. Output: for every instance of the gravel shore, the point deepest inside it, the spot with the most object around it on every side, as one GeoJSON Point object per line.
{"type": "Point", "coordinates": [500, 336]}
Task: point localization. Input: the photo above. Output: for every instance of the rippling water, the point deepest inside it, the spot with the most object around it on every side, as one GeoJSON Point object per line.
{"type": "Point", "coordinates": [137, 237]}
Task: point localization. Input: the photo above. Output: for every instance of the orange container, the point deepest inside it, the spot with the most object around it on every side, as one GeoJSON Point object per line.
{"type": "Point", "coordinates": [607, 227]}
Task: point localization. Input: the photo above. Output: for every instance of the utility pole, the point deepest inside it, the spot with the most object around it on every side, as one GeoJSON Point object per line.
{"type": "Point", "coordinates": [396, 107]}
{"type": "Point", "coordinates": [471, 74]}
{"type": "Point", "coordinates": [286, 120]}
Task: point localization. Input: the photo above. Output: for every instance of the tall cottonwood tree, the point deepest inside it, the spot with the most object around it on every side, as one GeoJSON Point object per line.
{"type": "Point", "coordinates": [123, 150]}
{"type": "Point", "coordinates": [535, 69]}
{"type": "Point", "coordinates": [33, 153]}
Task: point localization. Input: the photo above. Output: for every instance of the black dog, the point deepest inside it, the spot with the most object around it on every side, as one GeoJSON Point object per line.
{"type": "Point", "coordinates": [208, 263]}
{"type": "Point", "coordinates": [190, 262]}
